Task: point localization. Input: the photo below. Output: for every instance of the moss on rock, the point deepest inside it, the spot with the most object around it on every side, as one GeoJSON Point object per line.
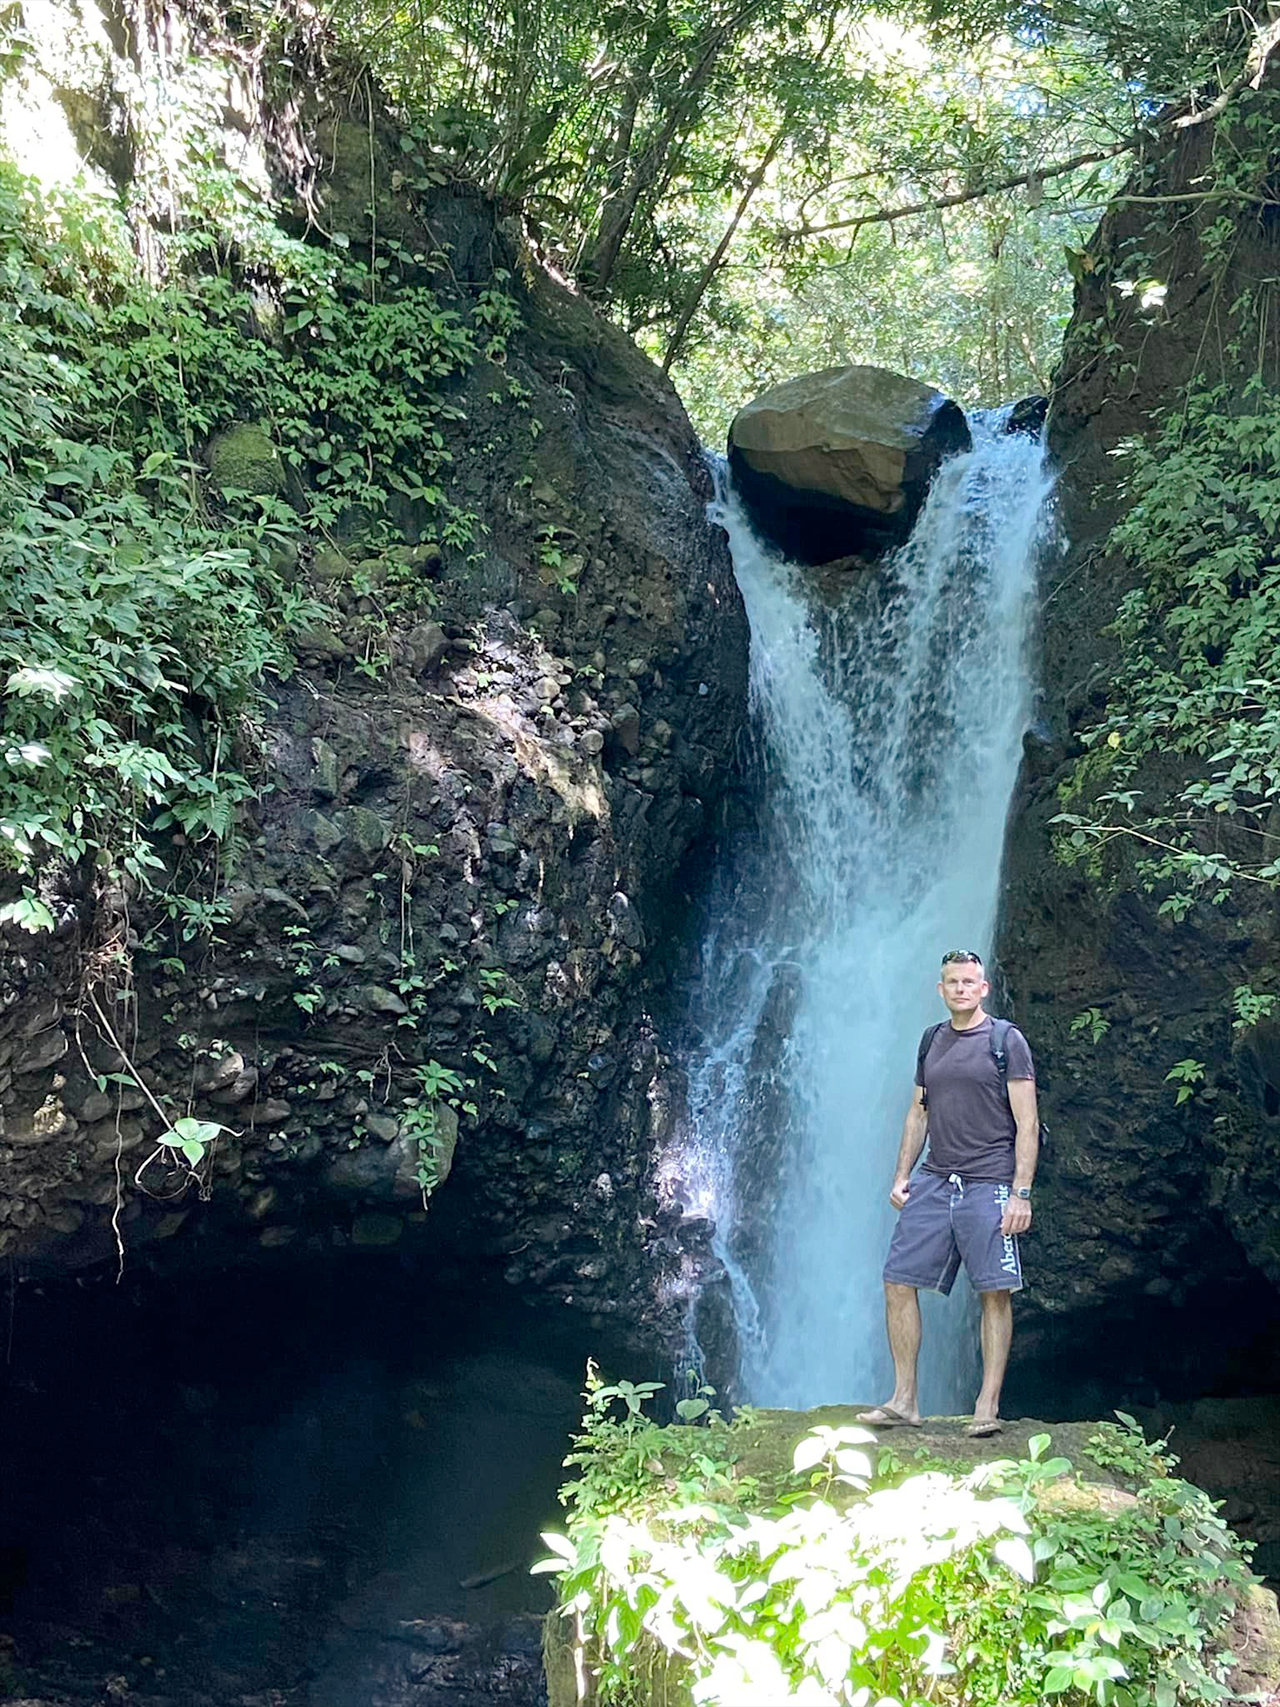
{"type": "Point", "coordinates": [243, 459]}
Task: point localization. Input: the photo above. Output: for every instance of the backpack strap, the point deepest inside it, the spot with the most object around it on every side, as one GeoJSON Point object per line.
{"type": "Point", "coordinates": [1000, 1050]}
{"type": "Point", "coordinates": [999, 1053]}
{"type": "Point", "coordinates": [926, 1043]}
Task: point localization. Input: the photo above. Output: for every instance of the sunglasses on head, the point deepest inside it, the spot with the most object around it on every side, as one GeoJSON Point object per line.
{"type": "Point", "coordinates": [965, 956]}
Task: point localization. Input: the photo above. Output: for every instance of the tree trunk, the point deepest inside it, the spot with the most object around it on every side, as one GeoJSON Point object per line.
{"type": "Point", "coordinates": [721, 249]}
{"type": "Point", "coordinates": [754, 182]}
{"type": "Point", "coordinates": [619, 212]}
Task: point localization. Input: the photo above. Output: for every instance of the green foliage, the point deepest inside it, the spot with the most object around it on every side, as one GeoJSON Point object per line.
{"type": "Point", "coordinates": [1196, 683]}
{"type": "Point", "coordinates": [1251, 1006]}
{"type": "Point", "coordinates": [1180, 775]}
{"type": "Point", "coordinates": [859, 1585]}
{"type": "Point", "coordinates": [421, 1119]}
{"type": "Point", "coordinates": [142, 606]}
{"type": "Point", "coordinates": [1187, 1075]}
{"type": "Point", "coordinates": [307, 994]}
{"type": "Point", "coordinates": [620, 1450]}
{"type": "Point", "coordinates": [188, 1138]}
{"type": "Point", "coordinates": [870, 183]}
{"type": "Point", "coordinates": [1122, 1446]}
{"type": "Point", "coordinates": [358, 403]}
{"type": "Point", "coordinates": [494, 998]}
{"type": "Point", "coordinates": [193, 1137]}
{"type": "Point", "coordinates": [698, 1404]}
{"type": "Point", "coordinates": [745, 145]}
{"type": "Point", "coordinates": [133, 635]}
{"type": "Point", "coordinates": [1093, 1023]}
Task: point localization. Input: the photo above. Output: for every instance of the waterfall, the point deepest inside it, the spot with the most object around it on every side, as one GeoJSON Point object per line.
{"type": "Point", "coordinates": [886, 735]}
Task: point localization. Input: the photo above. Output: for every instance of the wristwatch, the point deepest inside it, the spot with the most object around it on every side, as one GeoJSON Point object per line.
{"type": "Point", "coordinates": [1022, 1191]}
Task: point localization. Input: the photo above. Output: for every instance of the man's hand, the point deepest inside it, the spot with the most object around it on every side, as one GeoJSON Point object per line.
{"type": "Point", "coordinates": [1017, 1216]}
{"type": "Point", "coordinates": [900, 1193]}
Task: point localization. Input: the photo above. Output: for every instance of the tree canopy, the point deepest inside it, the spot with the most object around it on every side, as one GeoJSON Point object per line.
{"type": "Point", "coordinates": [757, 186]}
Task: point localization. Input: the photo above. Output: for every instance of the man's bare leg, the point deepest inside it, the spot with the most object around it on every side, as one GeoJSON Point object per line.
{"type": "Point", "coordinates": [902, 1314]}
{"type": "Point", "coordinates": [997, 1336]}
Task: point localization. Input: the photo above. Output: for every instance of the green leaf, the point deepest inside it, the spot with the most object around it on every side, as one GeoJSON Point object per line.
{"type": "Point", "coordinates": [192, 1131]}
{"type": "Point", "coordinates": [854, 1463]}
{"type": "Point", "coordinates": [29, 914]}
{"type": "Point", "coordinates": [810, 1451]}
{"type": "Point", "coordinates": [689, 1410]}
{"type": "Point", "coordinates": [1013, 1551]}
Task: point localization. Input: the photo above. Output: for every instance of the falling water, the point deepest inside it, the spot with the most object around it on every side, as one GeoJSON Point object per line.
{"type": "Point", "coordinates": [887, 734]}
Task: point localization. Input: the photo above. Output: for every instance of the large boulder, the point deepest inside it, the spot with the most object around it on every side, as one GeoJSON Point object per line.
{"type": "Point", "coordinates": [836, 464]}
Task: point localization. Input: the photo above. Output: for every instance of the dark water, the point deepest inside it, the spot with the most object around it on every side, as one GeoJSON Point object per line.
{"type": "Point", "coordinates": [270, 1487]}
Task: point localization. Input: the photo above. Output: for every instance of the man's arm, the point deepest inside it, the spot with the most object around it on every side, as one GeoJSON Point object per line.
{"type": "Point", "coordinates": [1026, 1152]}
{"type": "Point", "coordinates": [913, 1136]}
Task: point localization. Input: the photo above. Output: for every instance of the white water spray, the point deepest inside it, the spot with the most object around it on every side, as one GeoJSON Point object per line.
{"type": "Point", "coordinates": [887, 735]}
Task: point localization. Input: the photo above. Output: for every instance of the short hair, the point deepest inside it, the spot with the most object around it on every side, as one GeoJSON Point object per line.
{"type": "Point", "coordinates": [964, 957]}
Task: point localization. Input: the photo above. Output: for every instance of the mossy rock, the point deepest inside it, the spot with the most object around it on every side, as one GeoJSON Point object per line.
{"type": "Point", "coordinates": [762, 1470]}
{"type": "Point", "coordinates": [243, 459]}
{"type": "Point", "coordinates": [1255, 1641]}
{"type": "Point", "coordinates": [765, 1447]}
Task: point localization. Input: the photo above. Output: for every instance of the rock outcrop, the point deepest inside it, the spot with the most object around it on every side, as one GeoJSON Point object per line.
{"type": "Point", "coordinates": [441, 943]}
{"type": "Point", "coordinates": [1146, 1202]}
{"type": "Point", "coordinates": [836, 464]}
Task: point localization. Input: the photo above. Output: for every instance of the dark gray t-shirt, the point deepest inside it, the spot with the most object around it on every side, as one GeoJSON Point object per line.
{"type": "Point", "coordinates": [971, 1126]}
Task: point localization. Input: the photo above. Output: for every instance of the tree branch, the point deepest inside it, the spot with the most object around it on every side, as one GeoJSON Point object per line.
{"type": "Point", "coordinates": [1036, 175]}
{"type": "Point", "coordinates": [699, 290]}
{"type": "Point", "coordinates": [1264, 44]}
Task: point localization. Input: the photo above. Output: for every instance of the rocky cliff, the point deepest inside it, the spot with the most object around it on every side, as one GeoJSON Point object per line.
{"type": "Point", "coordinates": [1149, 1200]}
{"type": "Point", "coordinates": [438, 951]}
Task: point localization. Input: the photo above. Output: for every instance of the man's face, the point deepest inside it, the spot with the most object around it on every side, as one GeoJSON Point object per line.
{"type": "Point", "coordinates": [964, 986]}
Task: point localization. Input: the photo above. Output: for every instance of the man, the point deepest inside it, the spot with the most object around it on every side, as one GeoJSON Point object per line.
{"type": "Point", "coordinates": [972, 1198]}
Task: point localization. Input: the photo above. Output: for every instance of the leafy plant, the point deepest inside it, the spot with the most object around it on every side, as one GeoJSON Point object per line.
{"type": "Point", "coordinates": [421, 1120]}
{"type": "Point", "coordinates": [862, 1584]}
{"type": "Point", "coordinates": [134, 636]}
{"type": "Point", "coordinates": [1180, 772]}
{"type": "Point", "coordinates": [189, 1138]}
{"type": "Point", "coordinates": [143, 609]}
{"type": "Point", "coordinates": [1124, 1447]}
{"type": "Point", "coordinates": [1093, 1022]}
{"type": "Point", "coordinates": [494, 983]}
{"type": "Point", "coordinates": [1251, 1006]}
{"type": "Point", "coordinates": [1188, 1075]}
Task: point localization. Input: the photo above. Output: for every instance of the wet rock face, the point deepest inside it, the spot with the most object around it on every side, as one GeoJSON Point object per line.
{"type": "Point", "coordinates": [442, 942]}
{"type": "Point", "coordinates": [836, 464]}
{"type": "Point", "coordinates": [1028, 416]}
{"type": "Point", "coordinates": [1144, 1205]}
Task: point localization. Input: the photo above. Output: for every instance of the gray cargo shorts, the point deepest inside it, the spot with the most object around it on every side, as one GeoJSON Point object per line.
{"type": "Point", "coordinates": [948, 1221]}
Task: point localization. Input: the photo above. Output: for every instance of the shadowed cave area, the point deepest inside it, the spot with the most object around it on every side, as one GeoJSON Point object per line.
{"type": "Point", "coordinates": [1205, 1373]}
{"type": "Point", "coordinates": [312, 1482]}
{"type": "Point", "coordinates": [319, 1482]}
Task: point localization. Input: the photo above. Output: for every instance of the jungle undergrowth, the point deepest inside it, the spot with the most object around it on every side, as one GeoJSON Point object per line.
{"type": "Point", "coordinates": [159, 588]}
{"type": "Point", "coordinates": [150, 600]}
{"type": "Point", "coordinates": [1176, 789]}
{"type": "Point", "coordinates": [860, 1578]}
